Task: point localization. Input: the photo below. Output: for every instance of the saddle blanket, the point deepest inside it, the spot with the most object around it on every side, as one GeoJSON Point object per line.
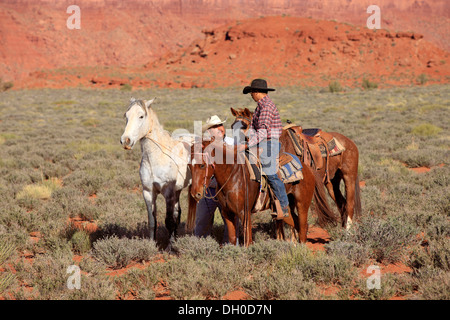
{"type": "Point", "coordinates": [289, 167]}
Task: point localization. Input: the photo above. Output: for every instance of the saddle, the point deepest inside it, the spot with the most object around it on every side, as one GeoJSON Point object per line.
{"type": "Point", "coordinates": [314, 146]}
{"type": "Point", "coordinates": [289, 170]}
{"type": "Point", "coordinates": [289, 167]}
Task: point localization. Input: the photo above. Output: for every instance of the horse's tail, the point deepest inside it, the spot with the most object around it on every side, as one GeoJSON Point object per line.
{"type": "Point", "coordinates": [324, 213]}
{"type": "Point", "coordinates": [192, 208]}
{"type": "Point", "coordinates": [358, 208]}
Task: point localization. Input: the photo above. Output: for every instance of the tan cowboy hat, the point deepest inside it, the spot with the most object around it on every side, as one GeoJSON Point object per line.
{"type": "Point", "coordinates": [211, 122]}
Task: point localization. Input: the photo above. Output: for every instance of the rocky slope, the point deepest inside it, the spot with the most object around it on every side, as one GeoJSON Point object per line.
{"type": "Point", "coordinates": [118, 37]}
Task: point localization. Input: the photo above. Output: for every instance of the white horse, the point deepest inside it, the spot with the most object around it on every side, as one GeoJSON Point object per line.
{"type": "Point", "coordinates": [164, 165]}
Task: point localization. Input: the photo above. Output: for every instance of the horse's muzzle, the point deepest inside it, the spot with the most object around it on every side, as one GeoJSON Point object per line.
{"type": "Point", "coordinates": [126, 143]}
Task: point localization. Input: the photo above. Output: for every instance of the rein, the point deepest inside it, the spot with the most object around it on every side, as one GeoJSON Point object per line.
{"type": "Point", "coordinates": [204, 182]}
{"type": "Point", "coordinates": [161, 146]}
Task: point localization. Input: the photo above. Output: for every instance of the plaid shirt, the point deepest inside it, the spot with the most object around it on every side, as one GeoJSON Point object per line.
{"type": "Point", "coordinates": [266, 122]}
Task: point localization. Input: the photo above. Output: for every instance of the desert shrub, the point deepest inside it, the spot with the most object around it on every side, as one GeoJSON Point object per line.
{"type": "Point", "coordinates": [48, 274]}
{"type": "Point", "coordinates": [433, 284]}
{"type": "Point", "coordinates": [431, 269]}
{"type": "Point", "coordinates": [357, 253]}
{"type": "Point", "coordinates": [6, 280]}
{"type": "Point", "coordinates": [281, 286]}
{"type": "Point", "coordinates": [98, 288]}
{"type": "Point", "coordinates": [126, 87]}
{"type": "Point", "coordinates": [202, 279]}
{"type": "Point", "coordinates": [318, 266]}
{"type": "Point", "coordinates": [81, 242]}
{"type": "Point", "coordinates": [140, 282]}
{"type": "Point", "coordinates": [426, 130]}
{"type": "Point", "coordinates": [422, 78]}
{"type": "Point", "coordinates": [118, 253]}
{"type": "Point", "coordinates": [368, 85]}
{"type": "Point", "coordinates": [384, 239]}
{"type": "Point", "coordinates": [268, 251]}
{"type": "Point", "coordinates": [7, 249]}
{"type": "Point", "coordinates": [436, 255]}
{"type": "Point", "coordinates": [335, 86]}
{"type": "Point", "coordinates": [388, 288]}
{"type": "Point", "coordinates": [424, 157]}
{"type": "Point", "coordinates": [196, 247]}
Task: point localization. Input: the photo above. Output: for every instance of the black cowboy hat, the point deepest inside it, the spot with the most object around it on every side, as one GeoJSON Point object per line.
{"type": "Point", "coordinates": [259, 85]}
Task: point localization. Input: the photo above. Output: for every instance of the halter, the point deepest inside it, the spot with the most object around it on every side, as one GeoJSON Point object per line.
{"type": "Point", "coordinates": [205, 184]}
{"type": "Point", "coordinates": [208, 156]}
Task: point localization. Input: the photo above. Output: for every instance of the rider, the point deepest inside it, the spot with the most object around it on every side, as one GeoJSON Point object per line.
{"type": "Point", "coordinates": [206, 207]}
{"type": "Point", "coordinates": [265, 131]}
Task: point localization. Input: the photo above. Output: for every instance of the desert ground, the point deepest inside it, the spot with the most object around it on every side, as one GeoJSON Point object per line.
{"type": "Point", "coordinates": [73, 221]}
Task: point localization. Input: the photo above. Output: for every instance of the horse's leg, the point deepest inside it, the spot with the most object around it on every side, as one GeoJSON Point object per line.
{"type": "Point", "coordinates": [150, 201]}
{"type": "Point", "coordinates": [229, 221]}
{"type": "Point", "coordinates": [294, 233]}
{"type": "Point", "coordinates": [177, 212]}
{"type": "Point", "coordinates": [350, 182]}
{"type": "Point", "coordinates": [339, 198]}
{"type": "Point", "coordinates": [302, 209]}
{"type": "Point", "coordinates": [171, 219]}
{"type": "Point", "coordinates": [279, 229]}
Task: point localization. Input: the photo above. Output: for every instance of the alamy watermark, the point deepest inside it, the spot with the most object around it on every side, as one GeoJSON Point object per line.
{"type": "Point", "coordinates": [74, 280]}
{"type": "Point", "coordinates": [374, 21]}
{"type": "Point", "coordinates": [374, 281]}
{"type": "Point", "coordinates": [74, 20]}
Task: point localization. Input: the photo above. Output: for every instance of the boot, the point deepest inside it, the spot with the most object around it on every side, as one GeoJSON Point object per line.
{"type": "Point", "coordinates": [278, 211]}
{"type": "Point", "coordinates": [284, 213]}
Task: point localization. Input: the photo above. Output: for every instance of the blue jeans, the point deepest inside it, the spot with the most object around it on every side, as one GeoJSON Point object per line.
{"type": "Point", "coordinates": [204, 216]}
{"type": "Point", "coordinates": [271, 149]}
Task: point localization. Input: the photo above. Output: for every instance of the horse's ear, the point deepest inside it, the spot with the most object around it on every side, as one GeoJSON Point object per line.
{"type": "Point", "coordinates": [149, 102]}
{"type": "Point", "coordinates": [233, 112]}
{"type": "Point", "coordinates": [132, 99]}
{"type": "Point", "coordinates": [247, 112]}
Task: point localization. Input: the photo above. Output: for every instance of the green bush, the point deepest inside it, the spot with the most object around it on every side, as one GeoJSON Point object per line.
{"type": "Point", "coordinates": [426, 130]}
{"type": "Point", "coordinates": [335, 86]}
{"type": "Point", "coordinates": [319, 266]}
{"type": "Point", "coordinates": [81, 242]}
{"type": "Point", "coordinates": [383, 239]}
{"type": "Point", "coordinates": [369, 85]}
{"type": "Point", "coordinates": [118, 253]}
{"type": "Point", "coordinates": [422, 78]}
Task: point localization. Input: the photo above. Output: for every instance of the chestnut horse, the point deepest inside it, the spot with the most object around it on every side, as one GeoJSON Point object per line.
{"type": "Point", "coordinates": [340, 167]}
{"type": "Point", "coordinates": [237, 193]}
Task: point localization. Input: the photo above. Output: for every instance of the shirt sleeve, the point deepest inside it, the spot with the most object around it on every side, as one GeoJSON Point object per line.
{"type": "Point", "coordinates": [263, 127]}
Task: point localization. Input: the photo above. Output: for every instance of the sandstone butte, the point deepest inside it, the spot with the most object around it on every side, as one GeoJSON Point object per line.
{"type": "Point", "coordinates": [205, 43]}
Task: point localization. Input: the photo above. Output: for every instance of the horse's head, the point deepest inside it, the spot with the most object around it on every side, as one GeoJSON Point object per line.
{"type": "Point", "coordinates": [139, 122]}
{"type": "Point", "coordinates": [202, 169]}
{"type": "Point", "coordinates": [243, 119]}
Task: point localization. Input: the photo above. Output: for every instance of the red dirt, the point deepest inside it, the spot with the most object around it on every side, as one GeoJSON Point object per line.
{"type": "Point", "coordinates": [236, 295]}
{"type": "Point", "coordinates": [424, 169]}
{"type": "Point", "coordinates": [83, 224]}
{"type": "Point", "coordinates": [420, 169]}
{"type": "Point", "coordinates": [109, 52]}
{"type": "Point", "coordinates": [317, 238]}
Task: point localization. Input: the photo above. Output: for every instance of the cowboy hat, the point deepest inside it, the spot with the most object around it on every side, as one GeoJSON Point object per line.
{"type": "Point", "coordinates": [257, 85]}
{"type": "Point", "coordinates": [211, 122]}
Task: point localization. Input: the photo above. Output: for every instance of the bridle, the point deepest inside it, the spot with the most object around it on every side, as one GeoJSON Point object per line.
{"type": "Point", "coordinates": [243, 119]}
{"type": "Point", "coordinates": [206, 182]}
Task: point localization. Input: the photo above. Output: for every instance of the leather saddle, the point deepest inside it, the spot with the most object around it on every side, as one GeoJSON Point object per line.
{"type": "Point", "coordinates": [314, 146]}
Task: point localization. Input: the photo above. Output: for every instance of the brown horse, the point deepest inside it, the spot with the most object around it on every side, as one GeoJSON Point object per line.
{"type": "Point", "coordinates": [237, 193]}
{"type": "Point", "coordinates": [340, 167]}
